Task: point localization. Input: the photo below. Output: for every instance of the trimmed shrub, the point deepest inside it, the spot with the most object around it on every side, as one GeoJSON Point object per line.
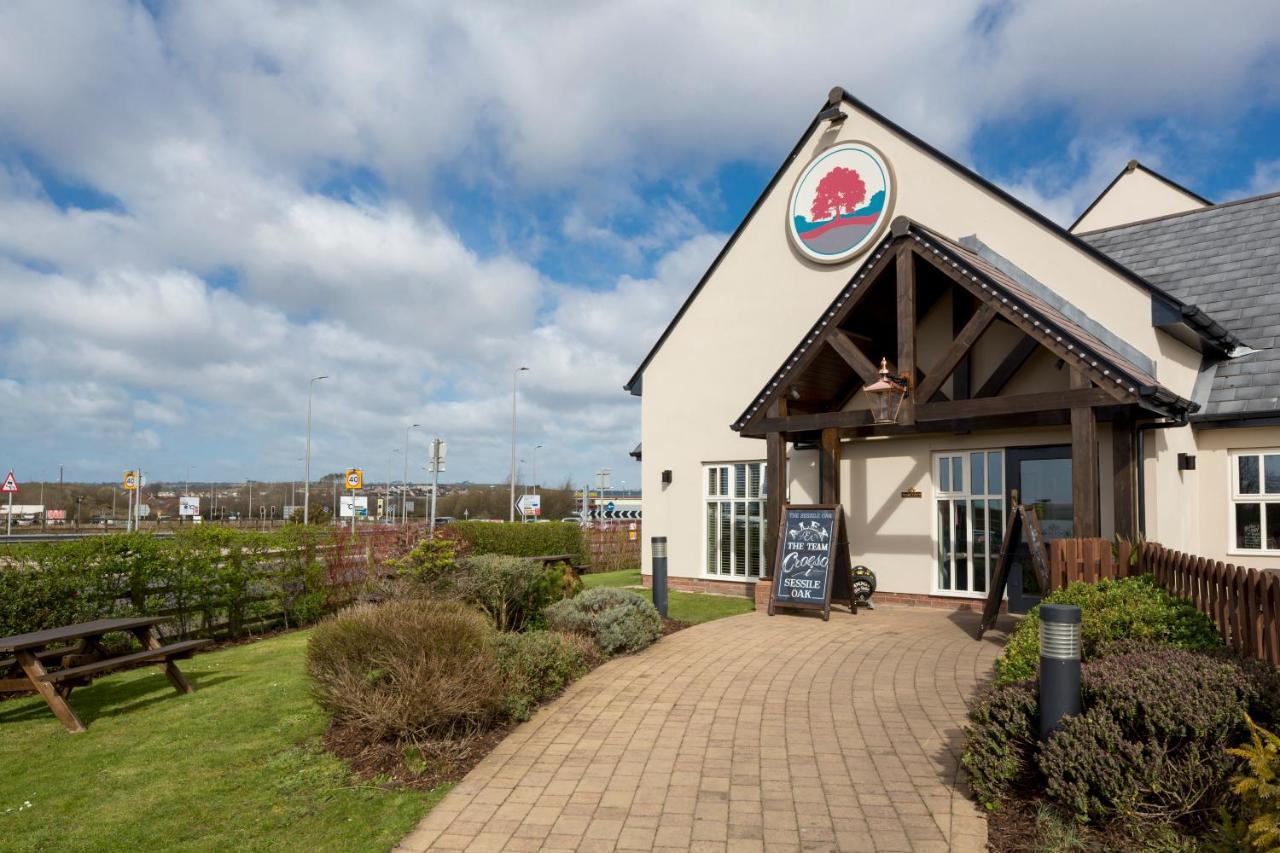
{"type": "Point", "coordinates": [428, 562]}
{"type": "Point", "coordinates": [1258, 788]}
{"type": "Point", "coordinates": [537, 665]}
{"type": "Point", "coordinates": [203, 577]}
{"type": "Point", "coordinates": [513, 591]}
{"type": "Point", "coordinates": [521, 540]}
{"type": "Point", "coordinates": [1263, 680]}
{"type": "Point", "coordinates": [1152, 740]}
{"type": "Point", "coordinates": [620, 621]}
{"type": "Point", "coordinates": [1000, 740]}
{"type": "Point", "coordinates": [1133, 608]}
{"type": "Point", "coordinates": [406, 670]}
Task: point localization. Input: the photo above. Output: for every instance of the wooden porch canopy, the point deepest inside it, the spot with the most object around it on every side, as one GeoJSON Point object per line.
{"type": "Point", "coordinates": [877, 314]}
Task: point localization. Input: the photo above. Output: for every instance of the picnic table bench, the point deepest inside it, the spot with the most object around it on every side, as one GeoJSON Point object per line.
{"type": "Point", "coordinates": [53, 661]}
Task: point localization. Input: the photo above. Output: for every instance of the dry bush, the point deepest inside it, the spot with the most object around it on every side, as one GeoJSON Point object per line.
{"type": "Point", "coordinates": [407, 670]}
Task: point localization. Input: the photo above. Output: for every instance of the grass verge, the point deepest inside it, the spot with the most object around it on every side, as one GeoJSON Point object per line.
{"type": "Point", "coordinates": [239, 765]}
{"type": "Point", "coordinates": [690, 607]}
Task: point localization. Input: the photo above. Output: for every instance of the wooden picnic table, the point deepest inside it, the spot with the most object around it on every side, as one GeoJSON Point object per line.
{"type": "Point", "coordinates": [53, 661]}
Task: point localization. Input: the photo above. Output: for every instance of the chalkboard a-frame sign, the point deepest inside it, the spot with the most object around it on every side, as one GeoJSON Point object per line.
{"type": "Point", "coordinates": [812, 550]}
{"type": "Point", "coordinates": [1024, 526]}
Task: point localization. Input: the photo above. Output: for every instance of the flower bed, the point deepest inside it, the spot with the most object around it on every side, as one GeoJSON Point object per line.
{"type": "Point", "coordinates": [1150, 758]}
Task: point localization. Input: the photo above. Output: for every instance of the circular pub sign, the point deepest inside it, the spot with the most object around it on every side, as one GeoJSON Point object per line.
{"type": "Point", "coordinates": [841, 203]}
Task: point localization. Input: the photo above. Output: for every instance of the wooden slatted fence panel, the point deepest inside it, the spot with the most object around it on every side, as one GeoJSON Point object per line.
{"type": "Point", "coordinates": [1244, 603]}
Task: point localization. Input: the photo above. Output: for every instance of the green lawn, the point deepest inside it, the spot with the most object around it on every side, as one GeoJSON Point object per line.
{"type": "Point", "coordinates": [692, 607]}
{"type": "Point", "coordinates": [236, 766]}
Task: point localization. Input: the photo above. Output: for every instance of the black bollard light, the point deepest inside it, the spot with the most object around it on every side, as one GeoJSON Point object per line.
{"type": "Point", "coordinates": [1059, 665]}
{"type": "Point", "coordinates": [658, 548]}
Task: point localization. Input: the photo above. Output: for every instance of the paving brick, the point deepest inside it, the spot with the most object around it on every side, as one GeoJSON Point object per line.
{"type": "Point", "coordinates": [734, 736]}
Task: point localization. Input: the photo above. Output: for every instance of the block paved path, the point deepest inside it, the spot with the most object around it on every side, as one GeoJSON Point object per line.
{"type": "Point", "coordinates": [747, 733]}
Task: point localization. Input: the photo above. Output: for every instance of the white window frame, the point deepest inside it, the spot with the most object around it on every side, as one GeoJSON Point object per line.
{"type": "Point", "coordinates": [966, 494]}
{"type": "Point", "coordinates": [761, 499]}
{"type": "Point", "coordinates": [1235, 498]}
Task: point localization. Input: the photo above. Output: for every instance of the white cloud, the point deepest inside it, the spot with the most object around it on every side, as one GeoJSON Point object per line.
{"type": "Point", "coordinates": [214, 125]}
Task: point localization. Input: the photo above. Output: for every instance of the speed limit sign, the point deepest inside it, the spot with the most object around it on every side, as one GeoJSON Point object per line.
{"type": "Point", "coordinates": [355, 478]}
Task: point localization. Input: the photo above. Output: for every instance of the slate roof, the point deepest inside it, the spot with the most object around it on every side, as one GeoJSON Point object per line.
{"type": "Point", "coordinates": [1225, 260]}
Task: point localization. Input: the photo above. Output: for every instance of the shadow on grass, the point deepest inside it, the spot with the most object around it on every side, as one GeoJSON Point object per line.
{"type": "Point", "coordinates": [110, 697]}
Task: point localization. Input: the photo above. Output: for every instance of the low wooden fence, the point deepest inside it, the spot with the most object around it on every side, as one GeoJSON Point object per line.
{"type": "Point", "coordinates": [613, 545]}
{"type": "Point", "coordinates": [1244, 603]}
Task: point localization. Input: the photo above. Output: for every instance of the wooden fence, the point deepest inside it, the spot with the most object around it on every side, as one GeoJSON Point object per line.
{"type": "Point", "coordinates": [1244, 603]}
{"type": "Point", "coordinates": [613, 545]}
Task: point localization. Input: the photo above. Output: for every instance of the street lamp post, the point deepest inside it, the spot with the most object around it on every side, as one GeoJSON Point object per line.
{"type": "Point", "coordinates": [512, 508]}
{"type": "Point", "coordinates": [306, 490]}
{"type": "Point", "coordinates": [404, 483]}
{"type": "Point", "coordinates": [533, 476]}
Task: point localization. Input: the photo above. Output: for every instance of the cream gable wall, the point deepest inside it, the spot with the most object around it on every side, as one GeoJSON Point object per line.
{"type": "Point", "coordinates": [763, 297]}
{"type": "Point", "coordinates": [1136, 195]}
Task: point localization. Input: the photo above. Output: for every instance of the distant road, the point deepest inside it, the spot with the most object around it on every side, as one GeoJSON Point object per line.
{"type": "Point", "coordinates": [62, 537]}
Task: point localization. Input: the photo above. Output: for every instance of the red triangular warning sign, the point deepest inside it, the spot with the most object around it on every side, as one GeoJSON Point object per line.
{"type": "Point", "coordinates": [10, 484]}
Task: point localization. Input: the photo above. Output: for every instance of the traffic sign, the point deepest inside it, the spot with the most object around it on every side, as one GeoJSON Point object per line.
{"type": "Point", "coordinates": [609, 507]}
{"type": "Point", "coordinates": [130, 481]}
{"type": "Point", "coordinates": [10, 484]}
{"type": "Point", "coordinates": [530, 505]}
{"type": "Point", "coordinates": [355, 478]}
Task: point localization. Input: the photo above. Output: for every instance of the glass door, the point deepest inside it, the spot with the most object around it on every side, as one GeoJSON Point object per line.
{"type": "Point", "coordinates": [1039, 477]}
{"type": "Point", "coordinates": [969, 516]}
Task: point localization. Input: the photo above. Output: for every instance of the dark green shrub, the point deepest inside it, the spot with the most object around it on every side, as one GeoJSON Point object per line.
{"type": "Point", "coordinates": [521, 540]}
{"type": "Point", "coordinates": [407, 670]}
{"type": "Point", "coordinates": [620, 621]}
{"type": "Point", "coordinates": [429, 560]}
{"type": "Point", "coordinates": [1000, 740]}
{"type": "Point", "coordinates": [1263, 680]}
{"type": "Point", "coordinates": [513, 591]}
{"type": "Point", "coordinates": [1133, 608]}
{"type": "Point", "coordinates": [537, 665]}
{"type": "Point", "coordinates": [1152, 740]}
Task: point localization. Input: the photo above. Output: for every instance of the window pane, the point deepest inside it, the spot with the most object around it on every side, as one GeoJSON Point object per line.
{"type": "Point", "coordinates": [977, 467]}
{"type": "Point", "coordinates": [1248, 475]}
{"type": "Point", "coordinates": [1249, 524]}
{"type": "Point", "coordinates": [995, 473]}
{"type": "Point", "coordinates": [726, 537]}
{"type": "Point", "coordinates": [753, 480]}
{"type": "Point", "coordinates": [957, 473]}
{"type": "Point", "coordinates": [959, 511]}
{"type": "Point", "coordinates": [739, 481]}
{"type": "Point", "coordinates": [1271, 473]}
{"type": "Point", "coordinates": [739, 538]}
{"type": "Point", "coordinates": [944, 545]}
{"type": "Point", "coordinates": [982, 553]}
{"type": "Point", "coordinates": [1273, 527]}
{"type": "Point", "coordinates": [764, 479]}
{"type": "Point", "coordinates": [713, 531]}
{"type": "Point", "coordinates": [755, 534]}
{"type": "Point", "coordinates": [944, 474]}
{"type": "Point", "coordinates": [711, 481]}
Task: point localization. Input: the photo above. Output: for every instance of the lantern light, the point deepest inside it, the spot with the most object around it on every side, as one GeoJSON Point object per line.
{"type": "Point", "coordinates": [886, 395]}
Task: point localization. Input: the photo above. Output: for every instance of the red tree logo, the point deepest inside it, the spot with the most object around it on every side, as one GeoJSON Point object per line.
{"type": "Point", "coordinates": [839, 192]}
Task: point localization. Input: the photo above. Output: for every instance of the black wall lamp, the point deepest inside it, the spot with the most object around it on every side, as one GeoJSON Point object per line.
{"type": "Point", "coordinates": [1186, 462]}
{"type": "Point", "coordinates": [666, 477]}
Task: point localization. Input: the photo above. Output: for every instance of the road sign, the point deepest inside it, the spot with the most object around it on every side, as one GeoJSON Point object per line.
{"type": "Point", "coordinates": [610, 507]}
{"type": "Point", "coordinates": [10, 484]}
{"type": "Point", "coordinates": [130, 481]}
{"type": "Point", "coordinates": [355, 479]}
{"type": "Point", "coordinates": [530, 505]}
{"type": "Point", "coordinates": [349, 506]}
{"type": "Point", "coordinates": [188, 506]}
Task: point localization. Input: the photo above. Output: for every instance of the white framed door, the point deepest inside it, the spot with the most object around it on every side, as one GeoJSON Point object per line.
{"type": "Point", "coordinates": [969, 513]}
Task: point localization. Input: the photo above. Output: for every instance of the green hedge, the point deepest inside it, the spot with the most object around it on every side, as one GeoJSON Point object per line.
{"type": "Point", "coordinates": [521, 540]}
{"type": "Point", "coordinates": [1112, 611]}
{"type": "Point", "coordinates": [205, 579]}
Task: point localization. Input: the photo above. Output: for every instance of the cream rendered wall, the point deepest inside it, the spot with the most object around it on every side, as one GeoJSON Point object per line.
{"type": "Point", "coordinates": [896, 536]}
{"type": "Point", "coordinates": [1135, 196]}
{"type": "Point", "coordinates": [1172, 500]}
{"type": "Point", "coordinates": [1212, 483]}
{"type": "Point", "coordinates": [763, 297]}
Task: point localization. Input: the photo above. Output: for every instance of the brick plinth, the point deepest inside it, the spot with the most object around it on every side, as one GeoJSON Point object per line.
{"type": "Point", "coordinates": [741, 589]}
{"type": "Point", "coordinates": [764, 591]}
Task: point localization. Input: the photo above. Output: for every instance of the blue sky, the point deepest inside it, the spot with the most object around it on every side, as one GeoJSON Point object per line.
{"type": "Point", "coordinates": [204, 205]}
